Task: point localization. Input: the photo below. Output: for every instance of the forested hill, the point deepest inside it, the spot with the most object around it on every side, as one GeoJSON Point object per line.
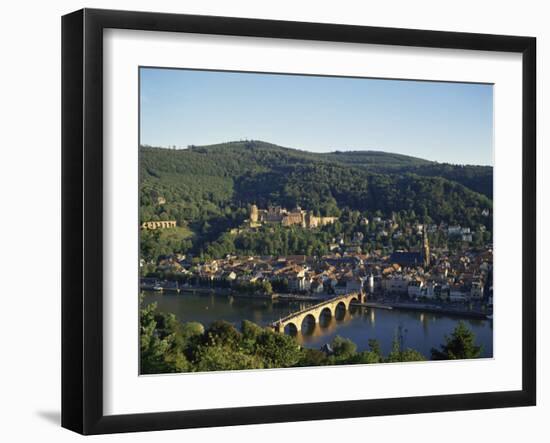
{"type": "Point", "coordinates": [474, 177]}
{"type": "Point", "coordinates": [208, 190]}
{"type": "Point", "coordinates": [375, 159]}
{"type": "Point", "coordinates": [204, 180]}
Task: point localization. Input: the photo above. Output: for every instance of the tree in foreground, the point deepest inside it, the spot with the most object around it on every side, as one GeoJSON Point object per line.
{"type": "Point", "coordinates": [343, 348]}
{"type": "Point", "coordinates": [459, 345]}
{"type": "Point", "coordinates": [216, 357]}
{"type": "Point", "coordinates": [277, 350]}
{"type": "Point", "coordinates": [161, 345]}
{"type": "Point", "coordinates": [401, 354]}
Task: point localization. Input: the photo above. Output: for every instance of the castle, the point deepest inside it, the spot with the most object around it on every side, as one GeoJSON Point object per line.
{"type": "Point", "coordinates": [279, 215]}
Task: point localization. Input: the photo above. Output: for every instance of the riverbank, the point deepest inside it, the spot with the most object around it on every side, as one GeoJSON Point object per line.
{"type": "Point", "coordinates": [455, 311]}
{"type": "Point", "coordinates": [438, 309]}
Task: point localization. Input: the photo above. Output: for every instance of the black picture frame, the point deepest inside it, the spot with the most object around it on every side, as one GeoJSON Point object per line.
{"type": "Point", "coordinates": [82, 215]}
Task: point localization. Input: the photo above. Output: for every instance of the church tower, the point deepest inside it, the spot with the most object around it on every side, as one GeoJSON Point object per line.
{"type": "Point", "coordinates": [425, 247]}
{"type": "Point", "coordinates": [254, 214]}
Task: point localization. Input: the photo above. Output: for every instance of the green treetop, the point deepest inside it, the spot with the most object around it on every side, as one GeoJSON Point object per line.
{"type": "Point", "coordinates": [459, 345]}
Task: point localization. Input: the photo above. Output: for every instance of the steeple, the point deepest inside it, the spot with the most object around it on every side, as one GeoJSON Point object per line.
{"type": "Point", "coordinates": [254, 214]}
{"type": "Point", "coordinates": [425, 247]}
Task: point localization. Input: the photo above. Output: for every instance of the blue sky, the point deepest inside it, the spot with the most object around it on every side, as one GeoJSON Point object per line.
{"type": "Point", "coordinates": [445, 122]}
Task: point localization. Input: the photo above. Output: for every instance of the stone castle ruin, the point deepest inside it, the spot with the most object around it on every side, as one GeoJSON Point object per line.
{"type": "Point", "coordinates": [279, 215]}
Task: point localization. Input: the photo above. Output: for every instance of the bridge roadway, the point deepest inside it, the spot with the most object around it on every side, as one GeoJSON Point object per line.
{"type": "Point", "coordinates": [327, 307]}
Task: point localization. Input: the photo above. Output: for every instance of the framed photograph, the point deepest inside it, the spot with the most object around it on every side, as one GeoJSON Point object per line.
{"type": "Point", "coordinates": [268, 221]}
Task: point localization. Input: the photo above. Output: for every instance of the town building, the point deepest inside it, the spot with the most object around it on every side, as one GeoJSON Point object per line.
{"type": "Point", "coordinates": [160, 224]}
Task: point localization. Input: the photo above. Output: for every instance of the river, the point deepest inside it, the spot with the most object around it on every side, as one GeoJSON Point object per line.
{"type": "Point", "coordinates": [419, 330]}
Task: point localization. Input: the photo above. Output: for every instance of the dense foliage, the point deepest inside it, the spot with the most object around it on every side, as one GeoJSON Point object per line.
{"type": "Point", "coordinates": [459, 345]}
{"type": "Point", "coordinates": [475, 177]}
{"type": "Point", "coordinates": [170, 346]}
{"type": "Point", "coordinates": [208, 191]}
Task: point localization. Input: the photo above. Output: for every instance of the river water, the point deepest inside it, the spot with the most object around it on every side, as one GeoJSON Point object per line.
{"type": "Point", "coordinates": [420, 331]}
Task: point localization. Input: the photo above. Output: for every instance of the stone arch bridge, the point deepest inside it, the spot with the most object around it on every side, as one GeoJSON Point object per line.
{"type": "Point", "coordinates": [316, 311]}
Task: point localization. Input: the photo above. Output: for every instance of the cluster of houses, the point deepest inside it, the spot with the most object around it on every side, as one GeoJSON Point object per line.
{"type": "Point", "coordinates": [390, 228]}
{"type": "Point", "coordinates": [430, 274]}
{"type": "Point", "coordinates": [457, 277]}
{"type": "Point", "coordinates": [451, 277]}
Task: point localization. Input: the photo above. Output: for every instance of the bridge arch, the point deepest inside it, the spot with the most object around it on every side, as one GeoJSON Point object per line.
{"type": "Point", "coordinates": [308, 321]}
{"type": "Point", "coordinates": [311, 316]}
{"type": "Point", "coordinates": [326, 311]}
{"type": "Point", "coordinates": [291, 328]}
{"type": "Point", "coordinates": [326, 315]}
{"type": "Point", "coordinates": [341, 305]}
{"type": "Point", "coordinates": [352, 307]}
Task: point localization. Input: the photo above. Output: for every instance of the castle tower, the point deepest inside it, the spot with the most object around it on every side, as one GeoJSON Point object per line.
{"type": "Point", "coordinates": [254, 214]}
{"type": "Point", "coordinates": [425, 247]}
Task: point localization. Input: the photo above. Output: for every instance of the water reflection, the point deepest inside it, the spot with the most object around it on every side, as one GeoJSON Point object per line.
{"type": "Point", "coordinates": [425, 322]}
